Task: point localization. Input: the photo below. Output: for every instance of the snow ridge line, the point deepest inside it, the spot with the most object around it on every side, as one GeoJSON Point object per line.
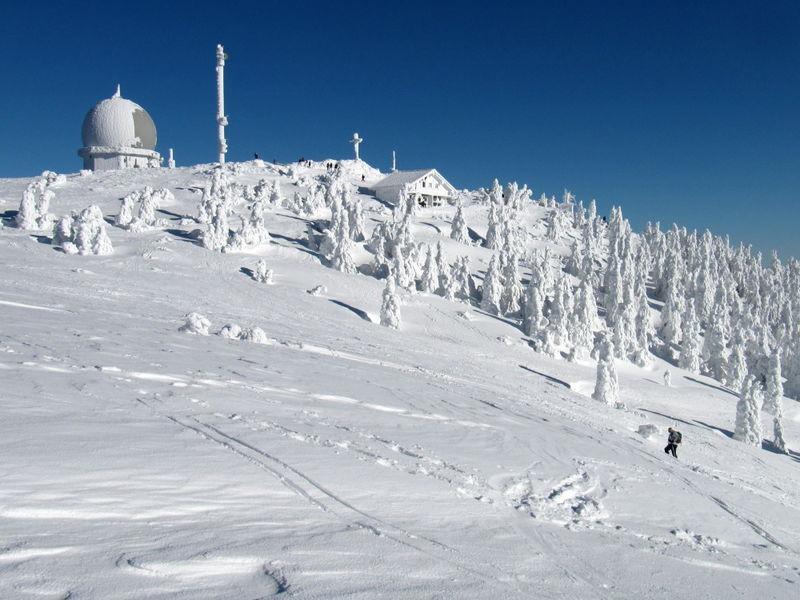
{"type": "Point", "coordinates": [378, 526]}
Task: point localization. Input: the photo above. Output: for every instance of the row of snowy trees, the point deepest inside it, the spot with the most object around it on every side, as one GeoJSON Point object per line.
{"type": "Point", "coordinates": [722, 312]}
{"type": "Point", "coordinates": [220, 197]}
{"type": "Point", "coordinates": [81, 233]}
{"type": "Point", "coordinates": [138, 209]}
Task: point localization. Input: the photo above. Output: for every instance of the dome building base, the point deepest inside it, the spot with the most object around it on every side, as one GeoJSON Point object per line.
{"type": "Point", "coordinates": [105, 158]}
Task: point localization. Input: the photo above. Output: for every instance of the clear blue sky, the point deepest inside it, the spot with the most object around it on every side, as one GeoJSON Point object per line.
{"type": "Point", "coordinates": [678, 112]}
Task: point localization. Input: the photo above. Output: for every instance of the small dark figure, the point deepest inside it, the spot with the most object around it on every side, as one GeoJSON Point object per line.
{"type": "Point", "coordinates": [672, 442]}
{"type": "Point", "coordinates": [255, 155]}
{"type": "Point", "coordinates": [363, 178]}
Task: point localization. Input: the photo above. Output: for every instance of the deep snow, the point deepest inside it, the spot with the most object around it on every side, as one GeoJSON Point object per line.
{"type": "Point", "coordinates": [342, 458]}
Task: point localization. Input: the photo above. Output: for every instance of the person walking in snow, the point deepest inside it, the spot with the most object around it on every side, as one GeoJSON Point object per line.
{"type": "Point", "coordinates": [673, 440]}
{"type": "Point", "coordinates": [667, 378]}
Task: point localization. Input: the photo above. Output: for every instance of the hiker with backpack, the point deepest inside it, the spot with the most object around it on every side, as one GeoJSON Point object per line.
{"type": "Point", "coordinates": [673, 440]}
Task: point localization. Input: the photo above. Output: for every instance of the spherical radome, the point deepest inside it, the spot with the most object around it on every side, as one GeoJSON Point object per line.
{"type": "Point", "coordinates": [119, 122]}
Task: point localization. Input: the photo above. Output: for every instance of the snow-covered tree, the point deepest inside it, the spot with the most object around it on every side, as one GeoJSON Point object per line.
{"type": "Point", "coordinates": [561, 310]}
{"type": "Point", "coordinates": [748, 413]}
{"type": "Point", "coordinates": [33, 209]}
{"type": "Point", "coordinates": [430, 273]}
{"type": "Point", "coordinates": [737, 366]}
{"type": "Point", "coordinates": [262, 273]}
{"type": "Point", "coordinates": [534, 322]}
{"type": "Point", "coordinates": [342, 255]}
{"type": "Point", "coordinates": [215, 237]}
{"type": "Point", "coordinates": [62, 232]}
{"type": "Point", "coordinates": [444, 270]}
{"type": "Point", "coordinates": [401, 270]}
{"type": "Point", "coordinates": [458, 230]}
{"type": "Point", "coordinates": [691, 342]}
{"type": "Point", "coordinates": [494, 233]}
{"type": "Point", "coordinates": [390, 305]}
{"type": "Point", "coordinates": [196, 324]}
{"type": "Point", "coordinates": [583, 319]}
{"type": "Point", "coordinates": [606, 388]}
{"type": "Point", "coordinates": [773, 399]}
{"type": "Point", "coordinates": [715, 342]}
{"type": "Point", "coordinates": [463, 286]}
{"type": "Point", "coordinates": [492, 287]}
{"type": "Point", "coordinates": [511, 300]}
{"type": "Point", "coordinates": [125, 216]}
{"type": "Point", "coordinates": [84, 233]}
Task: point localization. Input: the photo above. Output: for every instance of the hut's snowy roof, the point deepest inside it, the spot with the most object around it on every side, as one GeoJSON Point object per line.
{"type": "Point", "coordinates": [399, 178]}
{"type": "Point", "coordinates": [116, 122]}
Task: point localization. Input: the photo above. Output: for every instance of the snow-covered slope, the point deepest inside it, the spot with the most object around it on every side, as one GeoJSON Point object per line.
{"type": "Point", "coordinates": [341, 458]}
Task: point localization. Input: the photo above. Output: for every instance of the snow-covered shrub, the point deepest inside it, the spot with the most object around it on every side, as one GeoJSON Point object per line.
{"type": "Point", "coordinates": [196, 324]}
{"type": "Point", "coordinates": [255, 335]}
{"type": "Point", "coordinates": [217, 191]}
{"type": "Point", "coordinates": [231, 331]}
{"type": "Point", "coordinates": [53, 178]}
{"type": "Point", "coordinates": [138, 209]}
{"type": "Point", "coordinates": [33, 209]}
{"type": "Point", "coordinates": [84, 233]}
{"type": "Point", "coordinates": [748, 413]}
{"type": "Point", "coordinates": [215, 237]}
{"type": "Point", "coordinates": [648, 430]}
{"type": "Point", "coordinates": [262, 274]}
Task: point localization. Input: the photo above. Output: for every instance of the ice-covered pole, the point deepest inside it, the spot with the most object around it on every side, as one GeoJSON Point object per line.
{"type": "Point", "coordinates": [171, 160]}
{"type": "Point", "coordinates": [222, 120]}
{"type": "Point", "coordinates": [394, 162]}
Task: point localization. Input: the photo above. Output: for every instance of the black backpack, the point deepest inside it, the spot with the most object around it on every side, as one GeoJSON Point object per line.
{"type": "Point", "coordinates": [678, 437]}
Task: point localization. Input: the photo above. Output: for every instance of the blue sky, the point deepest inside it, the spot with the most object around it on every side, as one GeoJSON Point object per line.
{"type": "Point", "coordinates": [678, 112]}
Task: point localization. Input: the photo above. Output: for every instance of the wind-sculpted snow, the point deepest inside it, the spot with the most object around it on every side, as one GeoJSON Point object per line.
{"type": "Point", "coordinates": [295, 447]}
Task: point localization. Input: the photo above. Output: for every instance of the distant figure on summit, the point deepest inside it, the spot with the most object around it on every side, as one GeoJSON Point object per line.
{"type": "Point", "coordinates": [672, 441]}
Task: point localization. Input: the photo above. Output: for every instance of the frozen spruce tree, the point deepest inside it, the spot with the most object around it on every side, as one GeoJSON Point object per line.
{"type": "Point", "coordinates": [492, 287]}
{"type": "Point", "coordinates": [606, 388]}
{"type": "Point", "coordinates": [443, 268]}
{"type": "Point", "coordinates": [512, 286]}
{"type": "Point", "coordinates": [125, 216]}
{"type": "Point", "coordinates": [737, 366]}
{"type": "Point", "coordinates": [355, 214]}
{"type": "Point", "coordinates": [773, 400]}
{"type": "Point", "coordinates": [715, 342]}
{"type": "Point", "coordinates": [84, 233]}
{"type": "Point", "coordinates": [462, 279]}
{"type": "Point", "coordinates": [691, 344]}
{"type": "Point", "coordinates": [748, 413]}
{"type": "Point", "coordinates": [534, 323]}
{"type": "Point", "coordinates": [342, 258]}
{"type": "Point", "coordinates": [458, 230]}
{"type": "Point", "coordinates": [430, 273]}
{"type": "Point", "coordinates": [62, 232]}
{"type": "Point", "coordinates": [583, 319]}
{"type": "Point", "coordinates": [494, 234]}
{"type": "Point", "coordinates": [400, 271]}
{"type": "Point", "coordinates": [390, 305]}
{"type": "Point", "coordinates": [34, 207]}
{"type": "Point", "coordinates": [215, 237]}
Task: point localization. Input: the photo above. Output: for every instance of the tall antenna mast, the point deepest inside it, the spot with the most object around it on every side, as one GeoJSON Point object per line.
{"type": "Point", "coordinates": [222, 120]}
